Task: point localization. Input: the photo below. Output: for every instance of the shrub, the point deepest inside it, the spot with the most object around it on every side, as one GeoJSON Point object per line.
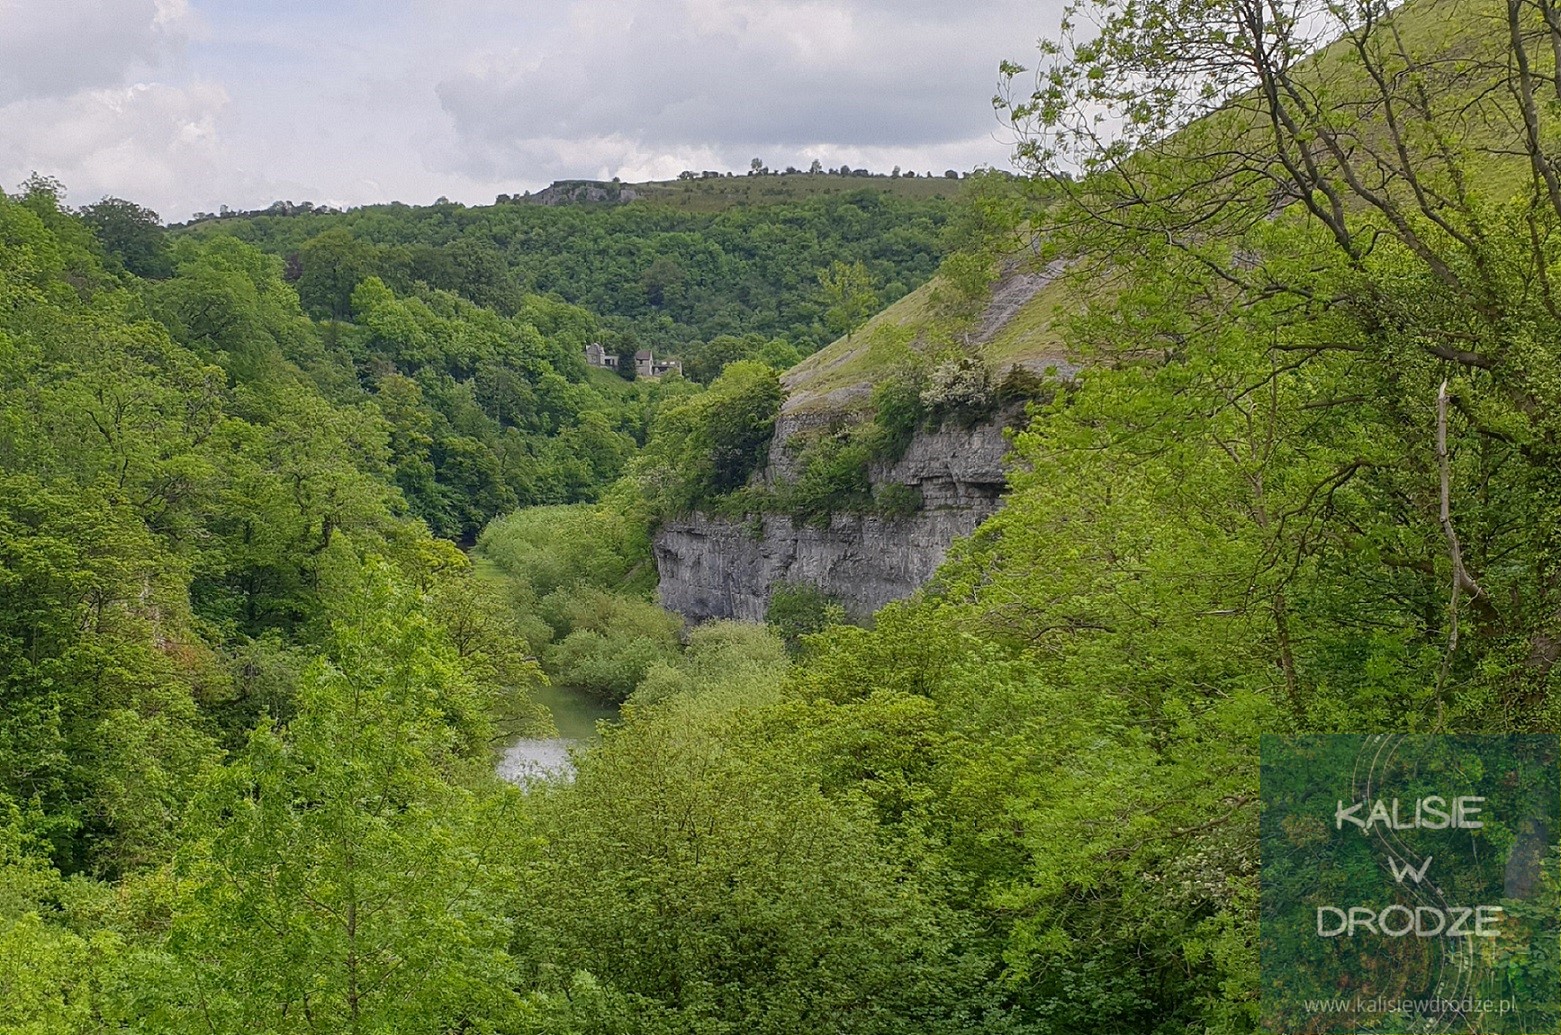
{"type": "Point", "coordinates": [835, 477]}
{"type": "Point", "coordinates": [708, 445]}
{"type": "Point", "coordinates": [960, 389]}
{"type": "Point", "coordinates": [896, 500]}
{"type": "Point", "coordinates": [550, 547]}
{"type": "Point", "coordinates": [1021, 384]}
{"type": "Point", "coordinates": [799, 609]}
{"type": "Point", "coordinates": [609, 665]}
{"type": "Point", "coordinates": [898, 411]}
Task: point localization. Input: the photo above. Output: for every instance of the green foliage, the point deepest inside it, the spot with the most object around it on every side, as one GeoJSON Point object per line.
{"type": "Point", "coordinates": [1023, 801]}
{"type": "Point", "coordinates": [897, 501]}
{"type": "Point", "coordinates": [836, 466]}
{"type": "Point", "coordinates": [606, 641]}
{"type": "Point", "coordinates": [179, 505]}
{"type": "Point", "coordinates": [729, 894]}
{"type": "Point", "coordinates": [835, 476]}
{"type": "Point", "coordinates": [707, 445]}
{"type": "Point", "coordinates": [672, 274]}
{"type": "Point", "coordinates": [704, 361]}
{"type": "Point", "coordinates": [57, 969]}
{"type": "Point", "coordinates": [487, 414]}
{"type": "Point", "coordinates": [550, 548]}
{"type": "Point", "coordinates": [800, 609]}
{"type": "Point", "coordinates": [898, 410]}
{"type": "Point", "coordinates": [959, 390]}
{"type": "Point", "coordinates": [132, 236]}
{"type": "Point", "coordinates": [582, 575]}
{"type": "Point", "coordinates": [850, 296]}
{"type": "Point", "coordinates": [387, 910]}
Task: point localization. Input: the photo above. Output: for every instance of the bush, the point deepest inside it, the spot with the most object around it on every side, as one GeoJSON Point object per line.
{"type": "Point", "coordinates": [960, 389]}
{"type": "Point", "coordinates": [799, 609]}
{"type": "Point", "coordinates": [608, 665]}
{"type": "Point", "coordinates": [1021, 384]}
{"type": "Point", "coordinates": [897, 501]}
{"type": "Point", "coordinates": [835, 477]}
{"type": "Point", "coordinates": [707, 446]}
{"type": "Point", "coordinates": [551, 547]}
{"type": "Point", "coordinates": [898, 411]}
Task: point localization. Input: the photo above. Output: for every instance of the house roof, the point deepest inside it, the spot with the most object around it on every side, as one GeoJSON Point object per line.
{"type": "Point", "coordinates": [642, 354]}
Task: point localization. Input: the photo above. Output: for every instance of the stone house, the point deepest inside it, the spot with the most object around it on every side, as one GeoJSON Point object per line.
{"type": "Point", "coordinates": [645, 363]}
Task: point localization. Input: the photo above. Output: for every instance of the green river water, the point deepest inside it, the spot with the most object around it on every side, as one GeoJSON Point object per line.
{"type": "Point", "coordinates": [576, 714]}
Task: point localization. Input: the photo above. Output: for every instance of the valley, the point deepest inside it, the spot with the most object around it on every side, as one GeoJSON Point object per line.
{"type": "Point", "coordinates": [810, 601]}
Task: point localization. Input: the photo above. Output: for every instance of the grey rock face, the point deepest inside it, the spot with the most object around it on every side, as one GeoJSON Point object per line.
{"type": "Point", "coordinates": [721, 568]}
{"type": "Point", "coordinates": [583, 192]}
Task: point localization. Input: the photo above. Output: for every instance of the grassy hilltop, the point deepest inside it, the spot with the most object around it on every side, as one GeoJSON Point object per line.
{"type": "Point", "coordinates": [718, 193]}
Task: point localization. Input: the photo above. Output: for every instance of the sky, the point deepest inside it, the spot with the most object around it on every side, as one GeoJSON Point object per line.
{"type": "Point", "coordinates": [188, 105]}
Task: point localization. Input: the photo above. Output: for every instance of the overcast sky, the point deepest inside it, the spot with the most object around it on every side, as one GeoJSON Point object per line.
{"type": "Point", "coordinates": [185, 105]}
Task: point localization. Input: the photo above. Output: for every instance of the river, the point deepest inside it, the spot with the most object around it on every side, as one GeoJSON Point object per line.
{"type": "Point", "coordinates": [576, 714]}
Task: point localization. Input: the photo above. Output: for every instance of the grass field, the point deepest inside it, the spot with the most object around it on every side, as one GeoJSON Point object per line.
{"type": "Point", "coordinates": [840, 376]}
{"type": "Point", "coordinates": [722, 192]}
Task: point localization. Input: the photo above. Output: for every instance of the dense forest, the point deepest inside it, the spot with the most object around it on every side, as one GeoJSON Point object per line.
{"type": "Point", "coordinates": [293, 510]}
{"type": "Point", "coordinates": [661, 277]}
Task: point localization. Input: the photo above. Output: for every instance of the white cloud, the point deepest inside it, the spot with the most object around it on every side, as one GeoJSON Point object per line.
{"type": "Point", "coordinates": [53, 48]}
{"type": "Point", "coordinates": [150, 142]}
{"type": "Point", "coordinates": [737, 77]}
{"type": "Point", "coordinates": [184, 105]}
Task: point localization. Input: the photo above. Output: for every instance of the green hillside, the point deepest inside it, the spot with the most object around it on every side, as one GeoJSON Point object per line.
{"type": "Point", "coordinates": [691, 262]}
{"type": "Point", "coordinates": [718, 193]}
{"type": "Point", "coordinates": [1016, 326]}
{"type": "Point", "coordinates": [1021, 317]}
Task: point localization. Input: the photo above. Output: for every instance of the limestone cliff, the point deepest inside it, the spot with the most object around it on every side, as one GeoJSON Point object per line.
{"type": "Point", "coordinates": [721, 568]}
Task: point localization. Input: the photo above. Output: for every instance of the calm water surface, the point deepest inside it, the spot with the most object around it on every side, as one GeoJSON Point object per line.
{"type": "Point", "coordinates": [576, 714]}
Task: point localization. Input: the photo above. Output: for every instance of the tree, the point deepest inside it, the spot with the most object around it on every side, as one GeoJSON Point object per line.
{"type": "Point", "coordinates": [1294, 183]}
{"type": "Point", "coordinates": [800, 609]}
{"type": "Point", "coordinates": [337, 874]}
{"type": "Point", "coordinates": [131, 234]}
{"type": "Point", "coordinates": [850, 295]}
{"type": "Point", "coordinates": [815, 168]}
{"type": "Point", "coordinates": [704, 361]}
{"type": "Point", "coordinates": [663, 281]}
{"type": "Point", "coordinates": [333, 264]}
{"type": "Point", "coordinates": [726, 893]}
{"type": "Point", "coordinates": [708, 445]}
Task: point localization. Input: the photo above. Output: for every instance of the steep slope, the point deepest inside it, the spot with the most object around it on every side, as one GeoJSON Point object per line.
{"type": "Point", "coordinates": [1014, 327]}
{"type": "Point", "coordinates": [718, 567]}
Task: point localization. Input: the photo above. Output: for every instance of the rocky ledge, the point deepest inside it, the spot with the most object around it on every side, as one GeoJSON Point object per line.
{"type": "Point", "coordinates": [715, 567]}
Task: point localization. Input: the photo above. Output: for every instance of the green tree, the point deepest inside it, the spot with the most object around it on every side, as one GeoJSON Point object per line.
{"type": "Point", "coordinates": [332, 265]}
{"type": "Point", "coordinates": [797, 610]}
{"type": "Point", "coordinates": [662, 282]}
{"type": "Point", "coordinates": [726, 892]}
{"type": "Point", "coordinates": [709, 444]}
{"type": "Point", "coordinates": [1322, 215]}
{"type": "Point", "coordinates": [383, 912]}
{"type": "Point", "coordinates": [849, 292]}
{"type": "Point", "coordinates": [132, 235]}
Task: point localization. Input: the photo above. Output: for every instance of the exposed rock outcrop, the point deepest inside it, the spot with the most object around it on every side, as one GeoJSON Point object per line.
{"type": "Point", "coordinates": [583, 192]}
{"type": "Point", "coordinates": [715, 567]}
